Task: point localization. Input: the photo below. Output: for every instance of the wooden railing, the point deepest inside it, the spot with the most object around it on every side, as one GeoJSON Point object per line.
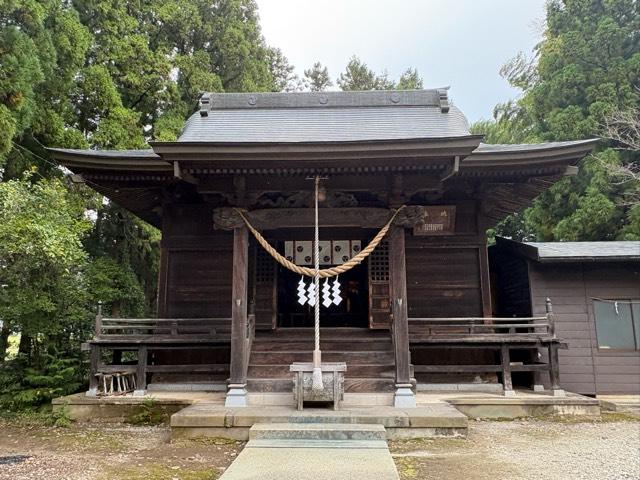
{"type": "Point", "coordinates": [148, 335]}
{"type": "Point", "coordinates": [498, 334]}
{"type": "Point", "coordinates": [521, 327]}
{"type": "Point", "coordinates": [161, 327]}
{"type": "Point", "coordinates": [486, 327]}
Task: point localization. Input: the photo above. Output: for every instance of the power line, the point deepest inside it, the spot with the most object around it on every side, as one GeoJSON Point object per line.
{"type": "Point", "coordinates": [46, 160]}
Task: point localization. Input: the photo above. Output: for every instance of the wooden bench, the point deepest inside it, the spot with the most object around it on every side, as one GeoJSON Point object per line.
{"type": "Point", "coordinates": [500, 334]}
{"type": "Point", "coordinates": [147, 335]}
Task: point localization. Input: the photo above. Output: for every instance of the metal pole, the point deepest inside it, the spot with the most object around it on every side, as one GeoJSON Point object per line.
{"type": "Point", "coordinates": [317, 355]}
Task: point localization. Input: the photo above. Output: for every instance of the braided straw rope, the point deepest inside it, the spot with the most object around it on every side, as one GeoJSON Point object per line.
{"type": "Point", "coordinates": [325, 272]}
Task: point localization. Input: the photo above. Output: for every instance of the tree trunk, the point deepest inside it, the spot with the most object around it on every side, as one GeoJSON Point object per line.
{"type": "Point", "coordinates": [25, 345]}
{"type": "Point", "coordinates": [4, 341]}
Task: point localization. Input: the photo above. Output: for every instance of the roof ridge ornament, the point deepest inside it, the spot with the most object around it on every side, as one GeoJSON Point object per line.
{"type": "Point", "coordinates": [213, 101]}
{"type": "Point", "coordinates": [205, 104]}
{"type": "Point", "coordinates": [444, 99]}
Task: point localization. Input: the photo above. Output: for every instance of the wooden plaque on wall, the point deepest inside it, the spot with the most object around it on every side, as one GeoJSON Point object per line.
{"type": "Point", "coordinates": [438, 220]}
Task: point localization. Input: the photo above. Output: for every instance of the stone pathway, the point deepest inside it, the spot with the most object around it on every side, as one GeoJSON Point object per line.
{"type": "Point", "coordinates": [310, 451]}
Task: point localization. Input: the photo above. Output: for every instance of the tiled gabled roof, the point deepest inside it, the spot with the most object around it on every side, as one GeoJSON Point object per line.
{"type": "Point", "coordinates": [324, 117]}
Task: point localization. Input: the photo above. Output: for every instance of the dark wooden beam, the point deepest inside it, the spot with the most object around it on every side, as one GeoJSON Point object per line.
{"type": "Point", "coordinates": [398, 280]}
{"type": "Point", "coordinates": [274, 218]}
{"type": "Point", "coordinates": [239, 306]}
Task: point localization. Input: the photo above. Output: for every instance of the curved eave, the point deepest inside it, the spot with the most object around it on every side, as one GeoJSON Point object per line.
{"type": "Point", "coordinates": [545, 157]}
{"type": "Point", "coordinates": [279, 152]}
{"type": "Point", "coordinates": [114, 160]}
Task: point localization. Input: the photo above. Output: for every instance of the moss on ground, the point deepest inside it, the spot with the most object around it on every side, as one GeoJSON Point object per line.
{"type": "Point", "coordinates": [159, 471]}
{"type": "Point", "coordinates": [406, 468]}
{"type": "Point", "coordinates": [437, 444]}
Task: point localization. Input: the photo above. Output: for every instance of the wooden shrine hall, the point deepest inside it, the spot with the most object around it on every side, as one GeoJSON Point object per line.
{"type": "Point", "coordinates": [417, 310]}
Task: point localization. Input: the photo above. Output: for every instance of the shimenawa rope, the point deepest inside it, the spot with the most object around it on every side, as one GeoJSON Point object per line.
{"type": "Point", "coordinates": [325, 272]}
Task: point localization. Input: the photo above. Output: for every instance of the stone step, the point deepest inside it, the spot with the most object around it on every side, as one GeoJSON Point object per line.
{"type": "Point", "coordinates": [216, 420]}
{"type": "Point", "coordinates": [351, 358]}
{"type": "Point", "coordinates": [285, 384]}
{"type": "Point", "coordinates": [317, 431]}
{"type": "Point", "coordinates": [333, 444]}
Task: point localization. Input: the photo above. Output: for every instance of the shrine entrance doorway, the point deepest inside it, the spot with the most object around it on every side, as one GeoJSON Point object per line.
{"type": "Point", "coordinates": [353, 311]}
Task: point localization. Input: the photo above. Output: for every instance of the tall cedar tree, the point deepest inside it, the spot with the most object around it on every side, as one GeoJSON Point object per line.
{"type": "Point", "coordinates": [112, 74]}
{"type": "Point", "coordinates": [586, 67]}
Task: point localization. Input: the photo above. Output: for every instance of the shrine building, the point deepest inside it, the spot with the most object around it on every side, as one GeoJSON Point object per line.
{"type": "Point", "coordinates": [417, 311]}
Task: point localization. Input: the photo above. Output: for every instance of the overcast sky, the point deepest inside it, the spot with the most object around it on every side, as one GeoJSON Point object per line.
{"type": "Point", "coordinates": [459, 43]}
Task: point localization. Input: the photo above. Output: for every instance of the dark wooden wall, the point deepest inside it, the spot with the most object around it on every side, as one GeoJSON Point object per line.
{"type": "Point", "coordinates": [442, 280]}
{"type": "Point", "coordinates": [196, 265]}
{"type": "Point", "coordinates": [447, 276]}
{"type": "Point", "coordinates": [571, 287]}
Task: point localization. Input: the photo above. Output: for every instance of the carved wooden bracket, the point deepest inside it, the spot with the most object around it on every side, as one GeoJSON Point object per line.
{"type": "Point", "coordinates": [271, 218]}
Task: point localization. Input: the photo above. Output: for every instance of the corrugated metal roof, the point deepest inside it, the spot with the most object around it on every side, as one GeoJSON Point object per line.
{"type": "Point", "coordinates": [558, 251]}
{"type": "Point", "coordinates": [311, 124]}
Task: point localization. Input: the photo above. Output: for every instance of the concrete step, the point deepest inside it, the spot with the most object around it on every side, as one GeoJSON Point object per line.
{"type": "Point", "coordinates": [317, 431]}
{"type": "Point", "coordinates": [213, 420]}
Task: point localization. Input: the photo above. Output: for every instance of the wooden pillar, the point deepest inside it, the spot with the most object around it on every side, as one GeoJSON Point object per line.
{"type": "Point", "coordinates": [506, 370]}
{"type": "Point", "coordinates": [237, 393]}
{"type": "Point", "coordinates": [163, 282]}
{"type": "Point", "coordinates": [485, 281]}
{"type": "Point", "coordinates": [94, 363]}
{"type": "Point", "coordinates": [404, 396]}
{"type": "Point", "coordinates": [141, 371]}
{"type": "Point", "coordinates": [554, 370]}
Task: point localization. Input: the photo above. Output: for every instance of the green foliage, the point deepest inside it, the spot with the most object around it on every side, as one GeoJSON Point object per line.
{"type": "Point", "coordinates": [317, 78]}
{"type": "Point", "coordinates": [61, 417]}
{"type": "Point", "coordinates": [26, 385]}
{"type": "Point", "coordinates": [117, 286]}
{"type": "Point", "coordinates": [41, 258]}
{"type": "Point", "coordinates": [410, 80]}
{"type": "Point", "coordinates": [587, 66]}
{"type": "Point", "coordinates": [358, 76]}
{"type": "Point", "coordinates": [98, 74]}
{"type": "Point", "coordinates": [149, 413]}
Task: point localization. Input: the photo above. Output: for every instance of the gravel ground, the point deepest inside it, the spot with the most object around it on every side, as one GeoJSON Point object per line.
{"type": "Point", "coordinates": [562, 450]}
{"type": "Point", "coordinates": [85, 452]}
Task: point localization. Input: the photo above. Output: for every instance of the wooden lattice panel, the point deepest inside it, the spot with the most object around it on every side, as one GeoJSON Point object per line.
{"type": "Point", "coordinates": [379, 263]}
{"type": "Point", "coordinates": [379, 302]}
{"type": "Point", "coordinates": [265, 271]}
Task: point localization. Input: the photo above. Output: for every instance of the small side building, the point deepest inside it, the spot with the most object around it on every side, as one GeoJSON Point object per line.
{"type": "Point", "coordinates": [594, 288]}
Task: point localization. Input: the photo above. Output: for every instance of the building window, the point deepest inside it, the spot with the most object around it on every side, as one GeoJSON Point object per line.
{"type": "Point", "coordinates": [617, 324]}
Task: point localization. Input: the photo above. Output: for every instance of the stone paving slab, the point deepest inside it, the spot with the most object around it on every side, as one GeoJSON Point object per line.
{"type": "Point", "coordinates": [312, 463]}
